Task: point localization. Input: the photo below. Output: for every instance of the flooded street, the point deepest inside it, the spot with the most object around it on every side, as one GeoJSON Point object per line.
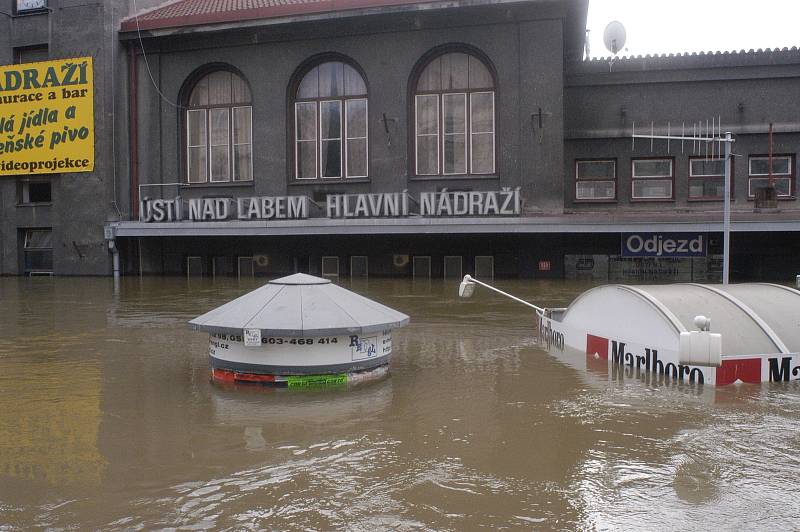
{"type": "Point", "coordinates": [108, 420]}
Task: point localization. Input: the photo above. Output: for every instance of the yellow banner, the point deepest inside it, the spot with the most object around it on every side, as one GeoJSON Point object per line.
{"type": "Point", "coordinates": [47, 117]}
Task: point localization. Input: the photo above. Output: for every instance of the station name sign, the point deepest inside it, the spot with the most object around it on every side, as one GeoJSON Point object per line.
{"type": "Point", "coordinates": [668, 245]}
{"type": "Point", "coordinates": [505, 202]}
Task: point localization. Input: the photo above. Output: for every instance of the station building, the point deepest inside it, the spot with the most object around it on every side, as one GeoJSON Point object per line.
{"type": "Point", "coordinates": [414, 138]}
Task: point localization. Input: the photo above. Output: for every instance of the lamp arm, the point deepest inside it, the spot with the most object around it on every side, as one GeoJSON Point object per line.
{"type": "Point", "coordinates": [469, 278]}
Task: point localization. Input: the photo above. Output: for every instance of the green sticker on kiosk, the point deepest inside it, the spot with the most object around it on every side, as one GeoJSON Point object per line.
{"type": "Point", "coordinates": [307, 381]}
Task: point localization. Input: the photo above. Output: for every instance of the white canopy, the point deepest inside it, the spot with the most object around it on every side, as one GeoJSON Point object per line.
{"type": "Point", "coordinates": [752, 318]}
{"type": "Point", "coordinates": [300, 305]}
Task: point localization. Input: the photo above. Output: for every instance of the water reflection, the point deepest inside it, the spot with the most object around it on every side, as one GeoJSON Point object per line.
{"type": "Point", "coordinates": [52, 439]}
{"type": "Point", "coordinates": [108, 419]}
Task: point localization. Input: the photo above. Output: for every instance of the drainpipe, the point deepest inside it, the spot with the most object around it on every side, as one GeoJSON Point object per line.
{"type": "Point", "coordinates": [133, 133]}
{"type": "Point", "coordinates": [115, 261]}
{"type": "Point", "coordinates": [112, 247]}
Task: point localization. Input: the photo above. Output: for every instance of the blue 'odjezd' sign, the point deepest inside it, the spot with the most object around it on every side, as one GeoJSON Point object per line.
{"type": "Point", "coordinates": [664, 244]}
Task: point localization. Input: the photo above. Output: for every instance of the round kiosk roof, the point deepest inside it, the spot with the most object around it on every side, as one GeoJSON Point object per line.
{"type": "Point", "coordinates": [300, 305]}
{"type": "Point", "coordinates": [755, 318]}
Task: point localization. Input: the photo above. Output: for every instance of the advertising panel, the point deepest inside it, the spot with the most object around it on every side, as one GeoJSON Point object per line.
{"type": "Point", "coordinates": [47, 117]}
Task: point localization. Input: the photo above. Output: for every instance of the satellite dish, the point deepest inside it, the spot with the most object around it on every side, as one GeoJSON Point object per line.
{"type": "Point", "coordinates": [614, 37]}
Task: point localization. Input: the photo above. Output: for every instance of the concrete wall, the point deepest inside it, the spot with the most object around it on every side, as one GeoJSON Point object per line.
{"type": "Point", "coordinates": [526, 54]}
{"type": "Point", "coordinates": [746, 91]}
{"type": "Point", "coordinates": [81, 202]}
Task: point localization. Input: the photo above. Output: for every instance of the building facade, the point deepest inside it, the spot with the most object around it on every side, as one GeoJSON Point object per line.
{"type": "Point", "coordinates": [52, 221]}
{"type": "Point", "coordinates": [407, 138]}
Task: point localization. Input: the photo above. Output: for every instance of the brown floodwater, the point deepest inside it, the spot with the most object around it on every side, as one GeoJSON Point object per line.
{"type": "Point", "coordinates": [108, 420]}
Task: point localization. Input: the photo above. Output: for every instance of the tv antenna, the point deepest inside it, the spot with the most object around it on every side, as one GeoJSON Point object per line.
{"type": "Point", "coordinates": [704, 137]}
{"type": "Point", "coordinates": [614, 38]}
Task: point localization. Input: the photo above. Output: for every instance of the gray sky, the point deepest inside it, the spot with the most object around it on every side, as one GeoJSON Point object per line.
{"type": "Point", "coordinates": [695, 25]}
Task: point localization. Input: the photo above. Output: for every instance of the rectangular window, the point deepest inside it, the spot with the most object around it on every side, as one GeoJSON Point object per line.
{"type": "Point", "coordinates": [196, 142]}
{"type": "Point", "coordinates": [29, 6]}
{"type": "Point", "coordinates": [359, 267]}
{"type": "Point", "coordinates": [596, 180]}
{"type": "Point", "coordinates": [452, 267]}
{"type": "Point", "coordinates": [782, 174]}
{"type": "Point", "coordinates": [482, 132]}
{"type": "Point", "coordinates": [330, 266]}
{"type": "Point", "coordinates": [38, 251]}
{"type": "Point", "coordinates": [484, 266]}
{"type": "Point", "coordinates": [356, 137]}
{"type": "Point", "coordinates": [31, 54]}
{"type": "Point", "coordinates": [454, 118]}
{"type": "Point", "coordinates": [194, 267]}
{"type": "Point", "coordinates": [421, 267]}
{"type": "Point", "coordinates": [427, 133]}
{"type": "Point", "coordinates": [706, 178]}
{"type": "Point", "coordinates": [330, 136]}
{"type": "Point", "coordinates": [305, 128]}
{"type": "Point", "coordinates": [32, 192]}
{"type": "Point", "coordinates": [245, 267]}
{"type": "Point", "coordinates": [242, 144]}
{"type": "Point", "coordinates": [651, 179]}
{"type": "Point", "coordinates": [218, 144]}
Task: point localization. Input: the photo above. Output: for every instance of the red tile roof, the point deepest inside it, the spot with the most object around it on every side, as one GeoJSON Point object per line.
{"type": "Point", "coordinates": [178, 13]}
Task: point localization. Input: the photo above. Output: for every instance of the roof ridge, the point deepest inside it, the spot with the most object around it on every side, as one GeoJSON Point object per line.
{"type": "Point", "coordinates": [702, 53]}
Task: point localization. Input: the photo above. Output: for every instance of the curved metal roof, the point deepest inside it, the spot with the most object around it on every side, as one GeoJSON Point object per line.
{"type": "Point", "coordinates": [300, 305]}
{"type": "Point", "coordinates": [752, 318]}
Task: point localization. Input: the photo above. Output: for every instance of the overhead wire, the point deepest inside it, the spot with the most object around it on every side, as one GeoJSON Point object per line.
{"type": "Point", "coordinates": [147, 63]}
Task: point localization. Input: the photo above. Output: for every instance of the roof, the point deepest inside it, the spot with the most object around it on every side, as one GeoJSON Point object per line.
{"type": "Point", "coordinates": [688, 60]}
{"type": "Point", "coordinates": [300, 305]}
{"type": "Point", "coordinates": [177, 13]}
{"type": "Point", "coordinates": [755, 318]}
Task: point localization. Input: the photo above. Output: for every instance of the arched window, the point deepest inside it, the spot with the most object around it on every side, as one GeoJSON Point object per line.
{"type": "Point", "coordinates": [454, 120]}
{"type": "Point", "coordinates": [330, 123]}
{"type": "Point", "coordinates": [219, 140]}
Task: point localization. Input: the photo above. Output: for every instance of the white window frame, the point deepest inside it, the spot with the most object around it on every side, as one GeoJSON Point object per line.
{"type": "Point", "coordinates": [340, 138]}
{"type": "Point", "coordinates": [579, 179]}
{"type": "Point", "coordinates": [345, 152]}
{"type": "Point", "coordinates": [206, 112]}
{"type": "Point", "coordinates": [417, 134]}
{"type": "Point", "coordinates": [27, 243]}
{"type": "Point", "coordinates": [322, 266]}
{"type": "Point", "coordinates": [670, 178]}
{"type": "Point", "coordinates": [366, 266]}
{"type": "Point", "coordinates": [775, 176]}
{"type": "Point", "coordinates": [315, 141]}
{"type": "Point", "coordinates": [234, 144]}
{"type": "Point", "coordinates": [697, 177]}
{"type": "Point", "coordinates": [227, 145]}
{"type": "Point", "coordinates": [463, 134]}
{"type": "Point", "coordinates": [189, 146]}
{"type": "Point", "coordinates": [473, 132]}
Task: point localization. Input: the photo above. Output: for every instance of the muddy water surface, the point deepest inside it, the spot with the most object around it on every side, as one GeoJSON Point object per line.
{"type": "Point", "coordinates": [108, 421]}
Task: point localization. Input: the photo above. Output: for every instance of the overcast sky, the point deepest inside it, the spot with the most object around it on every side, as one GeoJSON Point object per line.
{"type": "Point", "coordinates": [695, 25]}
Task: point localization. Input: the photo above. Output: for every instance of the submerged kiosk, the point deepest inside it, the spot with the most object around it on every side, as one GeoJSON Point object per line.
{"type": "Point", "coordinates": [300, 330]}
{"type": "Point", "coordinates": [695, 333]}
